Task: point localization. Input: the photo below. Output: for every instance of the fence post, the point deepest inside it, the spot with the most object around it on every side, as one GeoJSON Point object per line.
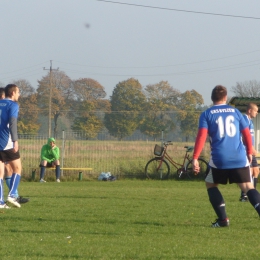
{"type": "Point", "coordinates": [33, 174]}
{"type": "Point", "coordinates": [63, 150]}
{"type": "Point", "coordinates": [80, 176]}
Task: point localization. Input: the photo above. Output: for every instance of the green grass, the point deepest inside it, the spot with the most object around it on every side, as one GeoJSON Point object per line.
{"type": "Point", "coordinates": [126, 219]}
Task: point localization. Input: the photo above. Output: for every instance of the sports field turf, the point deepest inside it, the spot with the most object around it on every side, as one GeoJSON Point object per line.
{"type": "Point", "coordinates": [126, 219]}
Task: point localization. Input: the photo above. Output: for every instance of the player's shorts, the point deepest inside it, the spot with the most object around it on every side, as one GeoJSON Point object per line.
{"type": "Point", "coordinates": [9, 155]}
{"type": "Point", "coordinates": [48, 165]}
{"type": "Point", "coordinates": [254, 162]}
{"type": "Point", "coordinates": [223, 176]}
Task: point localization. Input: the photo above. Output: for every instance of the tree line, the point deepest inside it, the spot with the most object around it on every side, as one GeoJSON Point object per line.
{"type": "Point", "coordinates": [131, 107]}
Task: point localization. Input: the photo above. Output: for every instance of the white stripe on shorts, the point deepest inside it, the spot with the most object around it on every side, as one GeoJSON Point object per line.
{"type": "Point", "coordinates": [209, 177]}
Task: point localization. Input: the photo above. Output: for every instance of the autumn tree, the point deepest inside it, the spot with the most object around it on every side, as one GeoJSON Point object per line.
{"type": "Point", "coordinates": [28, 113]}
{"type": "Point", "coordinates": [88, 106]}
{"type": "Point", "coordinates": [189, 113]}
{"type": "Point", "coordinates": [127, 101]}
{"type": "Point", "coordinates": [60, 86]}
{"type": "Point", "coordinates": [247, 89]}
{"type": "Point", "coordinates": [161, 98]}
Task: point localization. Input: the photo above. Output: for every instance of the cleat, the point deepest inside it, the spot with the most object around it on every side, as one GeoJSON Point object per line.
{"type": "Point", "coordinates": [243, 199]}
{"type": "Point", "coordinates": [4, 206]}
{"type": "Point", "coordinates": [220, 223]}
{"type": "Point", "coordinates": [58, 180]}
{"type": "Point", "coordinates": [42, 180]}
{"type": "Point", "coordinates": [22, 200]}
{"type": "Point", "coordinates": [13, 201]}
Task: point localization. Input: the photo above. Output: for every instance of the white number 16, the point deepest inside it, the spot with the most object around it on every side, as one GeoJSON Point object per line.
{"type": "Point", "coordinates": [229, 128]}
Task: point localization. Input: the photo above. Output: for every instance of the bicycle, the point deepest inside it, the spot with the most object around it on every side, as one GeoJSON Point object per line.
{"type": "Point", "coordinates": [158, 167]}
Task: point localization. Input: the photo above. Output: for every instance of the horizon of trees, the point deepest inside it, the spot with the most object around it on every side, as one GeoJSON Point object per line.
{"type": "Point", "coordinates": [131, 107]}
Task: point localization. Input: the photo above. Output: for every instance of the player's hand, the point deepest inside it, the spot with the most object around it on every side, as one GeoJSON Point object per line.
{"type": "Point", "coordinates": [195, 166]}
{"type": "Point", "coordinates": [249, 157]}
{"type": "Point", "coordinates": [16, 147]}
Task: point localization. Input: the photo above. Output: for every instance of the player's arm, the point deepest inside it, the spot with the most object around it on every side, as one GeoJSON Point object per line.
{"type": "Point", "coordinates": [44, 153]}
{"type": "Point", "coordinates": [200, 141]}
{"type": "Point", "coordinates": [248, 142]}
{"type": "Point", "coordinates": [199, 144]}
{"type": "Point", "coordinates": [13, 132]}
{"type": "Point", "coordinates": [56, 152]}
{"type": "Point", "coordinates": [13, 128]}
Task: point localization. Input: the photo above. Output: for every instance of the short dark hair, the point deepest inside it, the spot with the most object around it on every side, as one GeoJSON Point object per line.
{"type": "Point", "coordinates": [218, 93]}
{"type": "Point", "coordinates": [2, 91]}
{"type": "Point", "coordinates": [9, 90]}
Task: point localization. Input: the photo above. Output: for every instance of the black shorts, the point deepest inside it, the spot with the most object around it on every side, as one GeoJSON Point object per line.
{"type": "Point", "coordinates": [223, 176]}
{"type": "Point", "coordinates": [254, 162]}
{"type": "Point", "coordinates": [9, 155]}
{"type": "Point", "coordinates": [48, 165]}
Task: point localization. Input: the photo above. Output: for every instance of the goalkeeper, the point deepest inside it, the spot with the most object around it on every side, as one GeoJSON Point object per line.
{"type": "Point", "coordinates": [50, 155]}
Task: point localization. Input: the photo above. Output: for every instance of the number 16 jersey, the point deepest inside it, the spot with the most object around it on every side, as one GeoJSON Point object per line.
{"type": "Point", "coordinates": [224, 124]}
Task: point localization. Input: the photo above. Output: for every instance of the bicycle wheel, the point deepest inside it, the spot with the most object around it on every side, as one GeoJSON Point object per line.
{"type": "Point", "coordinates": [157, 169]}
{"type": "Point", "coordinates": [203, 170]}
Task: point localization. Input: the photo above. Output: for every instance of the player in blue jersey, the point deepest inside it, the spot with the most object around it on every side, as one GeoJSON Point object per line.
{"type": "Point", "coordinates": [8, 169]}
{"type": "Point", "coordinates": [9, 148]}
{"type": "Point", "coordinates": [251, 112]}
{"type": "Point", "coordinates": [229, 161]}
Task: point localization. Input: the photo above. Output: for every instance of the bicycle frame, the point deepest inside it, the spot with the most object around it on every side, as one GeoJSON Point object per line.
{"type": "Point", "coordinates": [182, 166]}
{"type": "Point", "coordinates": [160, 166]}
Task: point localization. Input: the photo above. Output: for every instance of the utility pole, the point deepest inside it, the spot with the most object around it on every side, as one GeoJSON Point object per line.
{"type": "Point", "coordinates": [50, 96]}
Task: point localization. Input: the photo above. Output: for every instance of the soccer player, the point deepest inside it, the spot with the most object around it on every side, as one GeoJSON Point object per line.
{"type": "Point", "coordinates": [8, 169]}
{"type": "Point", "coordinates": [50, 154]}
{"type": "Point", "coordinates": [229, 161]}
{"type": "Point", "coordinates": [9, 148]}
{"type": "Point", "coordinates": [251, 112]}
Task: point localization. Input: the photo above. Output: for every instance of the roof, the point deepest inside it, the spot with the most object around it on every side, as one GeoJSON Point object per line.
{"type": "Point", "coordinates": [241, 102]}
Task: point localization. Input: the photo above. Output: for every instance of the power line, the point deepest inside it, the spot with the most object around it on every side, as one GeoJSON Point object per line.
{"type": "Point", "coordinates": [158, 66]}
{"type": "Point", "coordinates": [187, 72]}
{"type": "Point", "coordinates": [180, 10]}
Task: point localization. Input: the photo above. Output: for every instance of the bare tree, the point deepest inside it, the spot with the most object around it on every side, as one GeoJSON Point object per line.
{"type": "Point", "coordinates": [247, 89]}
{"type": "Point", "coordinates": [25, 87]}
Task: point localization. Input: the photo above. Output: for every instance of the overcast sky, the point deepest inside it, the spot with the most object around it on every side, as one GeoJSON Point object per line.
{"type": "Point", "coordinates": [111, 42]}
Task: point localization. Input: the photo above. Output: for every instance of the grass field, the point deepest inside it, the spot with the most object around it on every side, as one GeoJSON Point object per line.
{"type": "Point", "coordinates": [126, 219]}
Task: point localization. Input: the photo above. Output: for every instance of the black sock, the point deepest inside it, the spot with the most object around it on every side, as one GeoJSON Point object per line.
{"type": "Point", "coordinates": [42, 172]}
{"type": "Point", "coordinates": [217, 202]}
{"type": "Point", "coordinates": [255, 182]}
{"type": "Point", "coordinates": [254, 198]}
{"type": "Point", "coordinates": [57, 172]}
{"type": "Point", "coordinates": [243, 194]}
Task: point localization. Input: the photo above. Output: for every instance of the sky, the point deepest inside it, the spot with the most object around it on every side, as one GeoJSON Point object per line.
{"type": "Point", "coordinates": [191, 44]}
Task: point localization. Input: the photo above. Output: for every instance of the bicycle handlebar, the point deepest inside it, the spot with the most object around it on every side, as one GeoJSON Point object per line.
{"type": "Point", "coordinates": [168, 143]}
{"type": "Point", "coordinates": [189, 148]}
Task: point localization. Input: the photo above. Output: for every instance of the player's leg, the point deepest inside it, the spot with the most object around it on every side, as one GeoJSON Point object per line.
{"type": "Point", "coordinates": [242, 177]}
{"type": "Point", "coordinates": [216, 199]}
{"type": "Point", "coordinates": [57, 170]}
{"type": "Point", "coordinates": [2, 171]}
{"type": "Point", "coordinates": [42, 171]}
{"type": "Point", "coordinates": [15, 181]}
{"type": "Point", "coordinates": [252, 194]}
{"type": "Point", "coordinates": [8, 177]}
{"type": "Point", "coordinates": [255, 171]}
